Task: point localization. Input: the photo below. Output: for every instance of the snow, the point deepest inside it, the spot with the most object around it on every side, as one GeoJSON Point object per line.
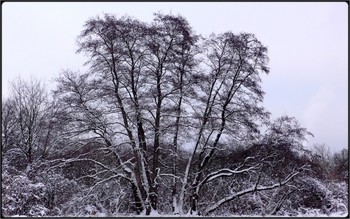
{"type": "Point", "coordinates": [162, 215]}
{"type": "Point", "coordinates": [99, 214]}
{"type": "Point", "coordinates": [89, 208]}
{"type": "Point", "coordinates": [37, 185]}
{"type": "Point", "coordinates": [156, 214]}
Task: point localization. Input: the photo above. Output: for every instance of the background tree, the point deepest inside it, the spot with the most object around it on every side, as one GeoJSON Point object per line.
{"type": "Point", "coordinates": [341, 165]}
{"type": "Point", "coordinates": [32, 133]}
{"type": "Point", "coordinates": [26, 120]}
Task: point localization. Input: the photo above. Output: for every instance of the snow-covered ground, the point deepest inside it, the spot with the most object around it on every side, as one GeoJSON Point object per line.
{"type": "Point", "coordinates": [311, 214]}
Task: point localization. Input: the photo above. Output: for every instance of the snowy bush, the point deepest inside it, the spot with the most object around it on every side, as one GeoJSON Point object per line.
{"type": "Point", "coordinates": [21, 196]}
{"type": "Point", "coordinates": [59, 190]}
{"type": "Point", "coordinates": [105, 200]}
{"type": "Point", "coordinates": [313, 197]}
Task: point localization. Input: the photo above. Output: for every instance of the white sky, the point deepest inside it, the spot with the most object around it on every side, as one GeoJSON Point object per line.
{"type": "Point", "coordinates": [308, 49]}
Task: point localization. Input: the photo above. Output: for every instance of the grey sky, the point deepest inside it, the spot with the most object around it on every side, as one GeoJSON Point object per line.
{"type": "Point", "coordinates": [308, 49]}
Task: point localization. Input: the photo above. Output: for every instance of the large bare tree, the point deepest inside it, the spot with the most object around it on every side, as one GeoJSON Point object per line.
{"type": "Point", "coordinates": [164, 101]}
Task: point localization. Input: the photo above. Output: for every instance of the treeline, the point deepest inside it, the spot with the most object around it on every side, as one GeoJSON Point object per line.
{"type": "Point", "coordinates": [164, 122]}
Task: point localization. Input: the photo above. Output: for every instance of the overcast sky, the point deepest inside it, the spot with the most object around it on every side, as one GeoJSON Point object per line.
{"type": "Point", "coordinates": [307, 42]}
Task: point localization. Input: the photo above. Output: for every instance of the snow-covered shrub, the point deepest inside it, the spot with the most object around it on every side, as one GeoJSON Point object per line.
{"type": "Point", "coordinates": [59, 190]}
{"type": "Point", "coordinates": [314, 193]}
{"type": "Point", "coordinates": [34, 192]}
{"type": "Point", "coordinates": [22, 196]}
{"type": "Point", "coordinates": [315, 197]}
{"type": "Point", "coordinates": [106, 199]}
{"type": "Point", "coordinates": [337, 198]}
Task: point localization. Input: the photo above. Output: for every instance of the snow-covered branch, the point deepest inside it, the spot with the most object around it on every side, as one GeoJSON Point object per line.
{"type": "Point", "coordinates": [224, 172]}
{"type": "Point", "coordinates": [63, 162]}
{"type": "Point", "coordinates": [249, 190]}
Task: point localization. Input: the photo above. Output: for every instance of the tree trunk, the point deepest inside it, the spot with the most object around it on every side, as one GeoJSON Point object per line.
{"type": "Point", "coordinates": [138, 204]}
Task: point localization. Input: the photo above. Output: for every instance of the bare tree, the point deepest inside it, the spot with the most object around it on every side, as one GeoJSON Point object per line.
{"type": "Point", "coordinates": [341, 165]}
{"type": "Point", "coordinates": [25, 114]}
{"type": "Point", "coordinates": [154, 89]}
{"type": "Point", "coordinates": [116, 57]}
{"type": "Point", "coordinates": [172, 48]}
{"type": "Point", "coordinates": [8, 125]}
{"type": "Point", "coordinates": [132, 64]}
{"type": "Point", "coordinates": [230, 94]}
